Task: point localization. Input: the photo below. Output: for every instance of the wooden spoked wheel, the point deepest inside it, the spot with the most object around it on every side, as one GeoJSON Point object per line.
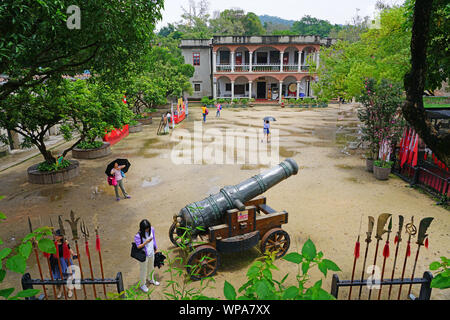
{"type": "Point", "coordinates": [203, 262]}
{"type": "Point", "coordinates": [175, 236]}
{"type": "Point", "coordinates": [276, 240]}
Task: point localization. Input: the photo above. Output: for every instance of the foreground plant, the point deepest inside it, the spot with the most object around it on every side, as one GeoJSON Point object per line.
{"type": "Point", "coordinates": [262, 286]}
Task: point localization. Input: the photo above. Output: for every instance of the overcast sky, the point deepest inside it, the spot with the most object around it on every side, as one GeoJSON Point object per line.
{"type": "Point", "coordinates": [335, 11]}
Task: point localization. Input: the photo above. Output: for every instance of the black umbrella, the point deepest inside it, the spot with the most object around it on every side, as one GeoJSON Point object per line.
{"type": "Point", "coordinates": [270, 119]}
{"type": "Point", "coordinates": [120, 162]}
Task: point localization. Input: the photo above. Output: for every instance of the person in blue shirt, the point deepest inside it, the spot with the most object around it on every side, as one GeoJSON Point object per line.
{"type": "Point", "coordinates": [267, 131]}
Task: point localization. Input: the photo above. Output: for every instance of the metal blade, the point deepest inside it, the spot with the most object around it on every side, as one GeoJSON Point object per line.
{"type": "Point", "coordinates": [382, 219]}
{"type": "Point", "coordinates": [370, 229]}
{"type": "Point", "coordinates": [400, 227]}
{"type": "Point", "coordinates": [424, 224]}
{"type": "Point", "coordinates": [61, 225]}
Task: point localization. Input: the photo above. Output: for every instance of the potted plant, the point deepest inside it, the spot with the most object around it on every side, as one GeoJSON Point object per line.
{"type": "Point", "coordinates": [252, 101]}
{"type": "Point", "coordinates": [292, 102]}
{"type": "Point", "coordinates": [134, 126]}
{"type": "Point", "coordinates": [323, 102]}
{"type": "Point", "coordinates": [307, 102]}
{"type": "Point", "coordinates": [382, 169]}
{"type": "Point", "coordinates": [314, 103]}
{"type": "Point", "coordinates": [244, 102]}
{"type": "Point", "coordinates": [235, 102]}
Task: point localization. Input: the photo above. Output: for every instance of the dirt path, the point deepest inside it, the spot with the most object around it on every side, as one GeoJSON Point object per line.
{"type": "Point", "coordinates": [325, 200]}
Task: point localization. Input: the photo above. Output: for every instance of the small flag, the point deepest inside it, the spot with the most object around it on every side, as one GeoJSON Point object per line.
{"type": "Point", "coordinates": [357, 246]}
{"type": "Point", "coordinates": [386, 250]}
{"type": "Point", "coordinates": [97, 243]}
{"type": "Point", "coordinates": [87, 249]}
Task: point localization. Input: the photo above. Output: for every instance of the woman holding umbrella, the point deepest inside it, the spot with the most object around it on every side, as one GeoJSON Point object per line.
{"type": "Point", "coordinates": [117, 173]}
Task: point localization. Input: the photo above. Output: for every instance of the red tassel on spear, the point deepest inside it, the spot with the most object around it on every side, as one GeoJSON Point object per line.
{"type": "Point", "coordinates": [386, 250]}
{"type": "Point", "coordinates": [356, 254]}
{"type": "Point", "coordinates": [426, 243]}
{"type": "Point", "coordinates": [385, 255]}
{"type": "Point", "coordinates": [97, 243]}
{"type": "Point", "coordinates": [357, 247]}
{"type": "Point", "coordinates": [408, 249]}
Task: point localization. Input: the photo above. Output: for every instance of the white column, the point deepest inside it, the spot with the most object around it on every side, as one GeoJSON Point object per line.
{"type": "Point", "coordinates": [232, 61]}
{"type": "Point", "coordinates": [214, 61]}
{"type": "Point", "coordinates": [215, 90]}
{"type": "Point", "coordinates": [298, 89]}
{"type": "Point", "coordinates": [318, 60]}
{"type": "Point", "coordinates": [281, 61]}
{"type": "Point", "coordinates": [280, 93]}
{"type": "Point", "coordinates": [299, 61]}
{"type": "Point", "coordinates": [251, 61]}
{"type": "Point", "coordinates": [249, 89]}
{"type": "Point", "coordinates": [232, 90]}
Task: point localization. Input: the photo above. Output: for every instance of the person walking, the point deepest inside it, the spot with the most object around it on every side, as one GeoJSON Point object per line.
{"type": "Point", "coordinates": [167, 118]}
{"type": "Point", "coordinates": [118, 175]}
{"type": "Point", "coordinates": [219, 108]}
{"type": "Point", "coordinates": [145, 238]}
{"type": "Point", "coordinates": [204, 113]}
{"type": "Point", "coordinates": [54, 265]}
{"type": "Point", "coordinates": [266, 131]}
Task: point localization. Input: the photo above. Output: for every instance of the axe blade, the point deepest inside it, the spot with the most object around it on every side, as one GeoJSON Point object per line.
{"type": "Point", "coordinates": [400, 227]}
{"type": "Point", "coordinates": [382, 219]}
{"type": "Point", "coordinates": [423, 227]}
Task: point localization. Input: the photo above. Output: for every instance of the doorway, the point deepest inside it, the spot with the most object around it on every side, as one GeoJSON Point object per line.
{"type": "Point", "coordinates": [261, 90]}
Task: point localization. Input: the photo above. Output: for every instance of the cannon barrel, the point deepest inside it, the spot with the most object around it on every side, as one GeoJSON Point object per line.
{"type": "Point", "coordinates": [210, 211]}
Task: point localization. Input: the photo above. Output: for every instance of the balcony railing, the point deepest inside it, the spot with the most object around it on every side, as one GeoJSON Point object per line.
{"type": "Point", "coordinates": [261, 68]}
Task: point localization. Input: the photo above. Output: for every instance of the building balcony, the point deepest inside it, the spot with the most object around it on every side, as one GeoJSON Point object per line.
{"type": "Point", "coordinates": [262, 68]}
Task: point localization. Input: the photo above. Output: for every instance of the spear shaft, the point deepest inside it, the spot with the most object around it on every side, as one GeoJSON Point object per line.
{"type": "Point", "coordinates": [33, 243]}
{"type": "Point", "coordinates": [368, 241]}
{"type": "Point", "coordinates": [411, 230]}
{"type": "Point", "coordinates": [85, 232]}
{"type": "Point", "coordinates": [59, 263]}
{"type": "Point", "coordinates": [386, 255]}
{"type": "Point", "coordinates": [398, 240]}
{"type": "Point", "coordinates": [374, 263]}
{"type": "Point", "coordinates": [100, 258]}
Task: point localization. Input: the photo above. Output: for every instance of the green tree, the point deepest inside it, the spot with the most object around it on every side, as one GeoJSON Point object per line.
{"type": "Point", "coordinates": [80, 107]}
{"type": "Point", "coordinates": [37, 44]}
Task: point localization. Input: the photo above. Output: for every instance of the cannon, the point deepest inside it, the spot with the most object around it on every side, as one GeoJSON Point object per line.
{"type": "Point", "coordinates": [235, 219]}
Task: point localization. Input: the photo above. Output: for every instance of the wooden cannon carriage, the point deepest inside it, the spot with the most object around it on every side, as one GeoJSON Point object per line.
{"type": "Point", "coordinates": [241, 230]}
{"type": "Point", "coordinates": [233, 220]}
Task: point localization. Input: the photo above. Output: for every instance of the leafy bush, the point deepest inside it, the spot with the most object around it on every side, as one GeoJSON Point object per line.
{"type": "Point", "coordinates": [16, 260]}
{"type": "Point", "coordinates": [244, 101]}
{"type": "Point", "coordinates": [48, 167]}
{"type": "Point", "coordinates": [236, 101]}
{"type": "Point", "coordinates": [262, 286]}
{"type": "Point", "coordinates": [205, 100]}
{"type": "Point", "coordinates": [85, 145]}
{"type": "Point", "coordinates": [441, 280]}
{"type": "Point", "coordinates": [383, 164]}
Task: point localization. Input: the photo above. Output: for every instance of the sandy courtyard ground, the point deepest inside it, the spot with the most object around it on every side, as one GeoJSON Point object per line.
{"type": "Point", "coordinates": [325, 200]}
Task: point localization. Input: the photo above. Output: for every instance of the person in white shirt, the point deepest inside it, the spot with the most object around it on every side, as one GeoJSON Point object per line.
{"type": "Point", "coordinates": [145, 238]}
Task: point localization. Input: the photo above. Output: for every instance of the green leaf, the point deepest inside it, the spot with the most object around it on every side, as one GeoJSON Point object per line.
{"type": "Point", "coordinates": [293, 257]}
{"type": "Point", "coordinates": [28, 293]}
{"type": "Point", "coordinates": [2, 216]}
{"type": "Point", "coordinates": [5, 293]}
{"type": "Point", "coordinates": [47, 246]}
{"type": "Point", "coordinates": [440, 282]}
{"type": "Point", "coordinates": [4, 253]}
{"type": "Point", "coordinates": [262, 290]}
{"type": "Point", "coordinates": [25, 249]}
{"type": "Point", "coordinates": [305, 267]}
{"type": "Point", "coordinates": [322, 268]}
{"type": "Point", "coordinates": [2, 275]}
{"type": "Point", "coordinates": [229, 291]}
{"type": "Point", "coordinates": [435, 265]}
{"type": "Point", "coordinates": [290, 293]}
{"type": "Point", "coordinates": [267, 274]}
{"type": "Point", "coordinates": [309, 250]}
{"type": "Point", "coordinates": [252, 272]}
{"type": "Point", "coordinates": [331, 265]}
{"type": "Point", "coordinates": [17, 264]}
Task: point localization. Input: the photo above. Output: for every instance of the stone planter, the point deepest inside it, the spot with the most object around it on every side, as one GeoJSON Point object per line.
{"type": "Point", "coordinates": [135, 128]}
{"type": "Point", "coordinates": [39, 177]}
{"type": "Point", "coordinates": [103, 151]}
{"type": "Point", "coordinates": [145, 121]}
{"type": "Point", "coordinates": [381, 173]}
{"type": "Point", "coordinates": [369, 165]}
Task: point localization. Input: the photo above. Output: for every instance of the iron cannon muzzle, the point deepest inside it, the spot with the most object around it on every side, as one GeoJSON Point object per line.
{"type": "Point", "coordinates": [211, 210]}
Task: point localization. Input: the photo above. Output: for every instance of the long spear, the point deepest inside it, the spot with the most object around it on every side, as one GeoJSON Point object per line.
{"type": "Point", "coordinates": [47, 257]}
{"type": "Point", "coordinates": [368, 241]}
{"type": "Point", "coordinates": [385, 255]}
{"type": "Point", "coordinates": [382, 219]}
{"type": "Point", "coordinates": [73, 226]}
{"type": "Point", "coordinates": [66, 250]}
{"type": "Point", "coordinates": [37, 258]}
{"type": "Point", "coordinates": [85, 232]}
{"type": "Point", "coordinates": [356, 254]}
{"type": "Point", "coordinates": [411, 230]}
{"type": "Point", "coordinates": [98, 249]}
{"type": "Point", "coordinates": [397, 240]}
{"type": "Point", "coordinates": [424, 224]}
{"type": "Point", "coordinates": [59, 262]}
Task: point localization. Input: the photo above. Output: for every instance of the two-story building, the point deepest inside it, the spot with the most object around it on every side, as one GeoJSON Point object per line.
{"type": "Point", "coordinates": [266, 68]}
